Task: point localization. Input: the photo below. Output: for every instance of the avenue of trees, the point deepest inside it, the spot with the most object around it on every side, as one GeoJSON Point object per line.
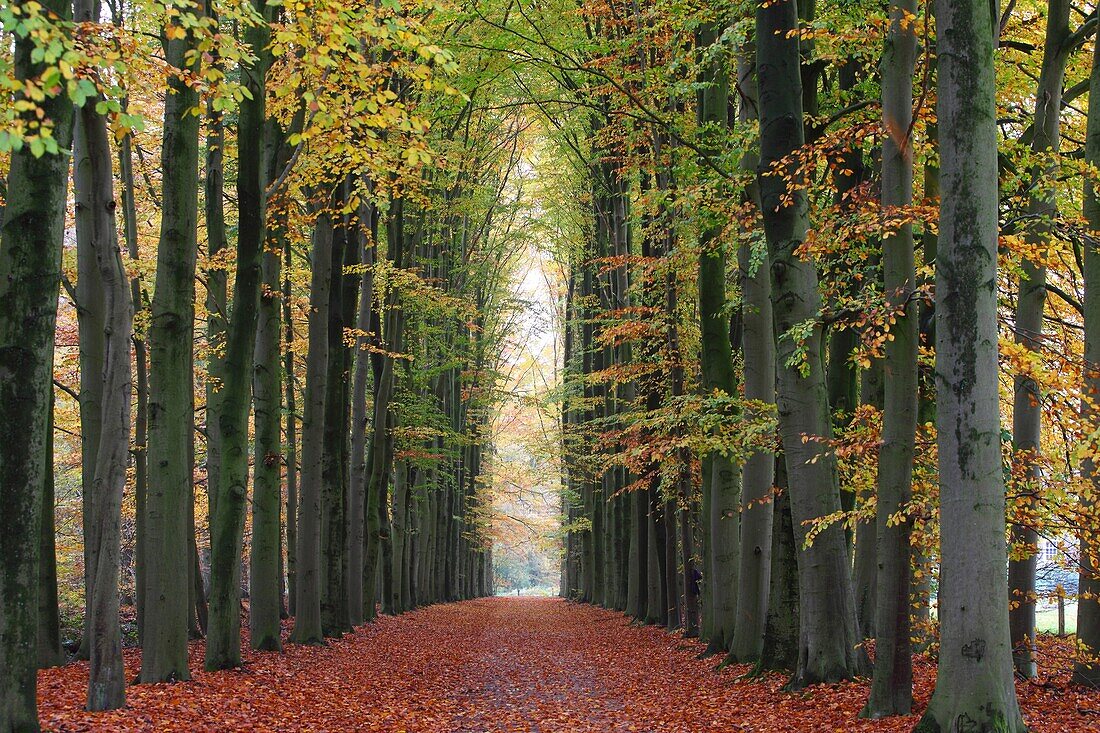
{"type": "Point", "coordinates": [256, 283]}
{"type": "Point", "coordinates": [828, 325]}
{"type": "Point", "coordinates": [830, 336]}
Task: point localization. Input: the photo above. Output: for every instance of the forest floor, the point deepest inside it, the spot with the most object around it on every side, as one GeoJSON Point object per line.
{"type": "Point", "coordinates": [511, 664]}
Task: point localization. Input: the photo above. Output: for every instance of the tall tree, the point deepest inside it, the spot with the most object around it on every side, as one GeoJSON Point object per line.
{"type": "Point", "coordinates": [357, 499]}
{"type": "Point", "coordinates": [1086, 671]}
{"type": "Point", "coordinates": [974, 683]}
{"type": "Point", "coordinates": [334, 600]}
{"type": "Point", "coordinates": [307, 622]}
{"type": "Point", "coordinates": [171, 380]}
{"type": "Point", "coordinates": [30, 269]}
{"type": "Point", "coordinates": [721, 478]}
{"type": "Point", "coordinates": [829, 643]}
{"type": "Point", "coordinates": [1030, 305]}
{"type": "Point", "coordinates": [229, 496]}
{"type": "Point", "coordinates": [892, 686]}
{"type": "Point", "coordinates": [758, 351]}
{"type": "Point", "coordinates": [91, 326]}
{"type": "Point", "coordinates": [95, 210]}
{"type": "Point", "coordinates": [265, 567]}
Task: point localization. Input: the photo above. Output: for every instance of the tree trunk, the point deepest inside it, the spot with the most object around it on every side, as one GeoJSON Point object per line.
{"type": "Point", "coordinates": [171, 384]}
{"type": "Point", "coordinates": [334, 599]}
{"type": "Point", "coordinates": [400, 516]}
{"type": "Point", "coordinates": [291, 439]}
{"type": "Point", "coordinates": [1027, 400]}
{"type": "Point", "coordinates": [892, 686]}
{"type": "Point", "coordinates": [31, 237]}
{"type": "Point", "coordinates": [656, 585]}
{"type": "Point", "coordinates": [758, 473]}
{"type": "Point", "coordinates": [779, 649]}
{"type": "Point", "coordinates": [265, 562]}
{"type": "Point", "coordinates": [307, 623]}
{"type": "Point", "coordinates": [91, 324]}
{"type": "Point", "coordinates": [757, 510]}
{"type": "Point", "coordinates": [217, 286]}
{"type": "Point", "coordinates": [721, 477]}
{"type": "Point", "coordinates": [229, 497]}
{"type": "Point", "coordinates": [674, 608]}
{"type": "Point", "coordinates": [974, 684]}
{"type": "Point", "coordinates": [95, 208]}
{"type": "Point", "coordinates": [866, 550]}
{"type": "Point", "coordinates": [380, 457]}
{"type": "Point", "coordinates": [358, 476]}
{"type": "Point", "coordinates": [829, 644]}
{"type": "Point", "coordinates": [1088, 595]}
{"type": "Point", "coordinates": [141, 383]}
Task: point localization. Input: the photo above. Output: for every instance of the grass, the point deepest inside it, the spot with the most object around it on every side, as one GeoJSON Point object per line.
{"type": "Point", "coordinates": [1046, 618]}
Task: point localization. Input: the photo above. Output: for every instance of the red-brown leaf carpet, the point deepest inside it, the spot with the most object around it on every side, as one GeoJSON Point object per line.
{"type": "Point", "coordinates": [512, 664]}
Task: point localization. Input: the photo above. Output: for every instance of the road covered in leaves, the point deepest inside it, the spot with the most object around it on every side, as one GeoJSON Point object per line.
{"type": "Point", "coordinates": [507, 664]}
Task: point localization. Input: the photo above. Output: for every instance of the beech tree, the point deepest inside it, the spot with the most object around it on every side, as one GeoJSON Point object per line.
{"type": "Point", "coordinates": [164, 636]}
{"type": "Point", "coordinates": [891, 691]}
{"type": "Point", "coordinates": [974, 680]}
{"type": "Point", "coordinates": [229, 495]}
{"type": "Point", "coordinates": [30, 268]}
{"type": "Point", "coordinates": [109, 298]}
{"type": "Point", "coordinates": [828, 645]}
{"type": "Point", "coordinates": [1088, 610]}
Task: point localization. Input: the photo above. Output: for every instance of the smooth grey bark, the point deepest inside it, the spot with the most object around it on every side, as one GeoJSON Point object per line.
{"type": "Point", "coordinates": [229, 496]}
{"type": "Point", "coordinates": [265, 575]}
{"type": "Point", "coordinates": [291, 403]}
{"type": "Point", "coordinates": [780, 645]}
{"type": "Point", "coordinates": [673, 605]}
{"type": "Point", "coordinates": [1027, 399]}
{"type": "Point", "coordinates": [829, 643]}
{"type": "Point", "coordinates": [307, 622]}
{"type": "Point", "coordinates": [31, 236]}
{"type": "Point", "coordinates": [892, 685]}
{"type": "Point", "coordinates": [1088, 603]}
{"type": "Point", "coordinates": [658, 590]}
{"type": "Point", "coordinates": [638, 555]}
{"type": "Point", "coordinates": [141, 379]}
{"type": "Point", "coordinates": [358, 463]}
{"type": "Point", "coordinates": [974, 682]}
{"type": "Point", "coordinates": [95, 210]}
{"type": "Point", "coordinates": [623, 396]}
{"type": "Point", "coordinates": [657, 577]}
{"type": "Point", "coordinates": [106, 685]}
{"type": "Point", "coordinates": [171, 384]}
{"type": "Point", "coordinates": [865, 574]}
{"type": "Point", "coordinates": [197, 608]}
{"type": "Point", "coordinates": [400, 536]}
{"type": "Point", "coordinates": [758, 472]}
{"type": "Point", "coordinates": [380, 450]}
{"type": "Point", "coordinates": [721, 474]}
{"type": "Point", "coordinates": [91, 324]}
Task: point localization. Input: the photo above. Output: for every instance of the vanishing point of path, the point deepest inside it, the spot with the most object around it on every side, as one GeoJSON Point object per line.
{"type": "Point", "coordinates": [498, 664]}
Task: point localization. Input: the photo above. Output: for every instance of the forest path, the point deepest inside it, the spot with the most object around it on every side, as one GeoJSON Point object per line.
{"type": "Point", "coordinates": [538, 665]}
